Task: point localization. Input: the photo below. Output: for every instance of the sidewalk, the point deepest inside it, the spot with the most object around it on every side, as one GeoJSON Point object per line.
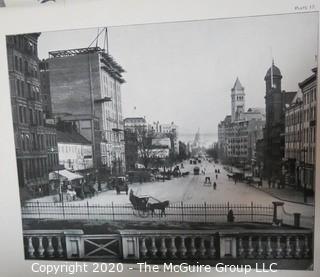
{"type": "Point", "coordinates": [288, 194]}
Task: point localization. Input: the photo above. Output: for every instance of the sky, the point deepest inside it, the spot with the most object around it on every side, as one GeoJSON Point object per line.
{"type": "Point", "coordinates": [184, 71]}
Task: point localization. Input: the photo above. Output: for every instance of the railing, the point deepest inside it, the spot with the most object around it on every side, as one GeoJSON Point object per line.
{"type": "Point", "coordinates": [174, 245]}
{"type": "Point", "coordinates": [180, 212]}
{"type": "Point", "coordinates": [44, 244]}
{"type": "Point", "coordinates": [255, 244]}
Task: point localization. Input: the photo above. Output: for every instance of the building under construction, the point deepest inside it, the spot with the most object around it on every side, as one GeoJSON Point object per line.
{"type": "Point", "coordinates": [85, 85]}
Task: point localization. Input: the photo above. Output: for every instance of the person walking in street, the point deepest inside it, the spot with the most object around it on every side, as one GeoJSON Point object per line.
{"type": "Point", "coordinates": [214, 185]}
{"type": "Point", "coordinates": [216, 176]}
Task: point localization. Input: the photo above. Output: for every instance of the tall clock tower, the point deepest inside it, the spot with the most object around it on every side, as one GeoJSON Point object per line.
{"type": "Point", "coordinates": [237, 100]}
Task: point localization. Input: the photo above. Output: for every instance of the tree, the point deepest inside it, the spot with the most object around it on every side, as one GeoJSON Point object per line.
{"type": "Point", "coordinates": [144, 146]}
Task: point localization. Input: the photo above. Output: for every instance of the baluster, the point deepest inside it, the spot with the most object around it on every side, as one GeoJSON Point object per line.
{"type": "Point", "coordinates": [279, 249]}
{"type": "Point", "coordinates": [202, 248]}
{"type": "Point", "coordinates": [260, 249]}
{"type": "Point", "coordinates": [163, 248]}
{"type": "Point", "coordinates": [182, 248]}
{"type": "Point", "coordinates": [50, 249]}
{"type": "Point", "coordinates": [153, 247]}
{"type": "Point", "coordinates": [193, 249]}
{"type": "Point", "coordinates": [306, 247]}
{"type": "Point", "coordinates": [250, 248]}
{"type": "Point", "coordinates": [288, 247]}
{"type": "Point", "coordinates": [173, 248]}
{"type": "Point", "coordinates": [40, 249]}
{"type": "Point", "coordinates": [212, 250]}
{"type": "Point", "coordinates": [269, 248]}
{"type": "Point", "coordinates": [297, 248]}
{"type": "Point", "coordinates": [143, 248]}
{"type": "Point", "coordinates": [30, 247]}
{"type": "Point", "coordinates": [241, 249]}
{"type": "Point", "coordinates": [59, 250]}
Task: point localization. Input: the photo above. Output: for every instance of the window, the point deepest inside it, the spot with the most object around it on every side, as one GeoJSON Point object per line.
{"type": "Point", "coordinates": [20, 64]}
{"type": "Point", "coordinates": [16, 66]}
{"type": "Point", "coordinates": [18, 88]}
{"type": "Point", "coordinates": [30, 116]}
{"type": "Point", "coordinates": [22, 88]}
{"type": "Point", "coordinates": [29, 90]}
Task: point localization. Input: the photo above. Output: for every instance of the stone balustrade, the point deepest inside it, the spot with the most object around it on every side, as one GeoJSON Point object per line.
{"type": "Point", "coordinates": [174, 245]}
{"type": "Point", "coordinates": [51, 244]}
{"type": "Point", "coordinates": [180, 245]}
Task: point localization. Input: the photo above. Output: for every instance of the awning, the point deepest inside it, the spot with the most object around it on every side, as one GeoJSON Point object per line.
{"type": "Point", "coordinates": [64, 173]}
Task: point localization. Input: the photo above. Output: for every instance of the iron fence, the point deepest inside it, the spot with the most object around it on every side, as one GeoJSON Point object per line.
{"type": "Point", "coordinates": [178, 212]}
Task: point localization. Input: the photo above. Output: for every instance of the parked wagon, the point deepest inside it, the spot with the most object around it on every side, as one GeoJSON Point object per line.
{"type": "Point", "coordinates": [144, 205]}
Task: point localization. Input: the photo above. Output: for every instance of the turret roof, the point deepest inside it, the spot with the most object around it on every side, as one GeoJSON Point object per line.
{"type": "Point", "coordinates": [237, 85]}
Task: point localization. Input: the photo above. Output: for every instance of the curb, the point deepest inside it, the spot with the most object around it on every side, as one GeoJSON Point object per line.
{"type": "Point", "coordinates": [282, 199]}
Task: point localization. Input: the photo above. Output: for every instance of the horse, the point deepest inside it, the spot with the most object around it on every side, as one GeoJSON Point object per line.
{"type": "Point", "coordinates": [158, 206]}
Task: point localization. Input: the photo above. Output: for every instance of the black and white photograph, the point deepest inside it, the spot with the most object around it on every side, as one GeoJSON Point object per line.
{"type": "Point", "coordinates": [179, 142]}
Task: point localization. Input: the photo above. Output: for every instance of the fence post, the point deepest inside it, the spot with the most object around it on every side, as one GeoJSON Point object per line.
{"type": "Point", "coordinates": [38, 209]}
{"type": "Point", "coordinates": [88, 210]}
{"type": "Point", "coordinates": [251, 211]}
{"type": "Point", "coordinates": [112, 210]}
{"type": "Point", "coordinates": [182, 215]}
{"type": "Point", "coordinates": [205, 212]}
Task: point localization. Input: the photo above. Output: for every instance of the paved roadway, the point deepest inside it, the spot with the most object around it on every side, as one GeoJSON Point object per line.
{"type": "Point", "coordinates": [191, 190]}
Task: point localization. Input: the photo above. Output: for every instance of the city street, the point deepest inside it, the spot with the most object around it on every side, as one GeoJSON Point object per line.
{"type": "Point", "coordinates": [192, 190]}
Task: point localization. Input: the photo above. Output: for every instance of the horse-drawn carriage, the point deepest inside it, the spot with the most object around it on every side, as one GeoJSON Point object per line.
{"type": "Point", "coordinates": [144, 205]}
{"type": "Point", "coordinates": [120, 184]}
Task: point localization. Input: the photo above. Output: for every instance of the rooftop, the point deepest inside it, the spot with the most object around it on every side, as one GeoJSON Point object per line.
{"type": "Point", "coordinates": [237, 85]}
{"type": "Point", "coordinates": [109, 63]}
{"type": "Point", "coordinates": [71, 137]}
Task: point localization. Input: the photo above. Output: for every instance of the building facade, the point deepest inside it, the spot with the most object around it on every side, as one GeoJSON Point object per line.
{"type": "Point", "coordinates": [293, 141]}
{"type": "Point", "coordinates": [88, 81]}
{"type": "Point", "coordinates": [35, 139]}
{"type": "Point", "coordinates": [274, 132]}
{"type": "Point", "coordinates": [239, 132]}
{"type": "Point", "coordinates": [309, 111]}
{"type": "Point", "coordinates": [75, 151]}
{"type": "Point", "coordinates": [133, 127]}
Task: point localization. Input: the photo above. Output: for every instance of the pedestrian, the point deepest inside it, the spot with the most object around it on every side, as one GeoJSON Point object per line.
{"type": "Point", "coordinates": [235, 180]}
{"type": "Point", "coordinates": [214, 185]}
{"type": "Point", "coordinates": [216, 176]}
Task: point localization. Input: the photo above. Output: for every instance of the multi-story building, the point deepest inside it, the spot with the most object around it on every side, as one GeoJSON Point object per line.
{"type": "Point", "coordinates": [35, 138]}
{"type": "Point", "coordinates": [239, 132]}
{"type": "Point", "coordinates": [88, 81]}
{"type": "Point", "coordinates": [241, 138]}
{"type": "Point", "coordinates": [133, 127]}
{"type": "Point", "coordinates": [308, 131]}
{"type": "Point", "coordinates": [300, 135]}
{"type": "Point", "coordinates": [167, 130]}
{"type": "Point", "coordinates": [222, 138]}
{"type": "Point", "coordinates": [293, 140]}
{"type": "Point", "coordinates": [75, 151]}
{"type": "Point", "coordinates": [274, 138]}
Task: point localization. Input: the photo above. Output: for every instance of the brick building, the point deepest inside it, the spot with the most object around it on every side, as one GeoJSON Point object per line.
{"type": "Point", "coordinates": [35, 138]}
{"type": "Point", "coordinates": [88, 82]}
{"type": "Point", "coordinates": [309, 110]}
